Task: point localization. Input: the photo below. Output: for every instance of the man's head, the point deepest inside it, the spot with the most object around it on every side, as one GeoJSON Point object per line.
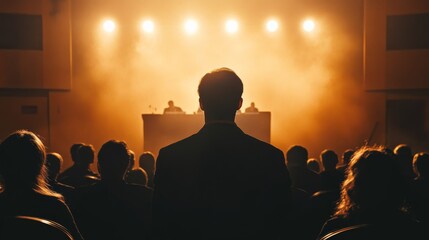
{"type": "Point", "coordinates": [297, 156]}
{"type": "Point", "coordinates": [74, 149]}
{"type": "Point", "coordinates": [53, 165]}
{"type": "Point", "coordinates": [113, 160]}
{"type": "Point", "coordinates": [220, 94]}
{"type": "Point", "coordinates": [86, 155]}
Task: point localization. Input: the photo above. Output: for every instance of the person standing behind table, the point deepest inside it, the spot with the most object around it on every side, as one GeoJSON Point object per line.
{"type": "Point", "coordinates": [172, 109]}
{"type": "Point", "coordinates": [252, 108]}
{"type": "Point", "coordinates": [220, 182]}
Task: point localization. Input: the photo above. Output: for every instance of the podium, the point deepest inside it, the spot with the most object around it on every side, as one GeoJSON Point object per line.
{"type": "Point", "coordinates": [160, 130]}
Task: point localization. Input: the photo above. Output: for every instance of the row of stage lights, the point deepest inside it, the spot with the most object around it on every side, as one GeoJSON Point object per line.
{"type": "Point", "coordinates": [191, 26]}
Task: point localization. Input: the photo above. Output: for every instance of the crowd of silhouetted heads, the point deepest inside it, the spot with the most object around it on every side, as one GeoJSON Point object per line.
{"type": "Point", "coordinates": [372, 188]}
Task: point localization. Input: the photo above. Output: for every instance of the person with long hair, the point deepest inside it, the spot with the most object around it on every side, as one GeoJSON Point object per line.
{"type": "Point", "coordinates": [26, 193]}
{"type": "Point", "coordinates": [373, 198]}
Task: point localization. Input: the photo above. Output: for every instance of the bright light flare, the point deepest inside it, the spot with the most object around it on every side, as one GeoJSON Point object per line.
{"type": "Point", "coordinates": [148, 26]}
{"type": "Point", "coordinates": [109, 26]}
{"type": "Point", "coordinates": [272, 25]}
{"type": "Point", "coordinates": [231, 26]}
{"type": "Point", "coordinates": [191, 26]}
{"type": "Point", "coordinates": [308, 25]}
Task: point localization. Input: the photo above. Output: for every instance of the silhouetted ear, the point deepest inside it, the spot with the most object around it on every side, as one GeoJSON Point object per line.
{"type": "Point", "coordinates": [240, 103]}
{"type": "Point", "coordinates": [201, 104]}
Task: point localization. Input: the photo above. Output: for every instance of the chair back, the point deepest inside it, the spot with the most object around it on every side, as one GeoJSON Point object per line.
{"type": "Point", "coordinates": [355, 232]}
{"type": "Point", "coordinates": [26, 227]}
{"type": "Point", "coordinates": [376, 231]}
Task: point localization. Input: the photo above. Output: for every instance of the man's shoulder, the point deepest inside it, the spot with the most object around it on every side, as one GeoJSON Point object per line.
{"type": "Point", "coordinates": [262, 145]}
{"type": "Point", "coordinates": [190, 140]}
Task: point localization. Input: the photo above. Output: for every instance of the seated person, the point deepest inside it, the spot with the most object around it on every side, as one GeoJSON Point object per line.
{"type": "Point", "coordinates": [252, 108]}
{"type": "Point", "coordinates": [26, 191]}
{"type": "Point", "coordinates": [113, 208]}
{"type": "Point", "coordinates": [172, 109]}
{"type": "Point", "coordinates": [374, 194]}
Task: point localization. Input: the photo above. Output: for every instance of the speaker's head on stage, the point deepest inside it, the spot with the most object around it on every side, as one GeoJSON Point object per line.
{"type": "Point", "coordinates": [220, 94]}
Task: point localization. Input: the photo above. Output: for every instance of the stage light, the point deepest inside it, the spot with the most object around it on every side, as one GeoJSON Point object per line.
{"type": "Point", "coordinates": [109, 25]}
{"type": "Point", "coordinates": [308, 25]}
{"type": "Point", "coordinates": [272, 25]}
{"type": "Point", "coordinates": [231, 26]}
{"type": "Point", "coordinates": [148, 26]}
{"type": "Point", "coordinates": [191, 26]}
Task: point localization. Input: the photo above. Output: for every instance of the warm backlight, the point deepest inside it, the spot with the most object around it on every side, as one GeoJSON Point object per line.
{"type": "Point", "coordinates": [109, 25]}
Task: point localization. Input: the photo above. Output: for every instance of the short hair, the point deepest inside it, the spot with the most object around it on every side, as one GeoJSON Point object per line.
{"type": "Point", "coordinates": [147, 162]}
{"type": "Point", "coordinates": [313, 164]}
{"type": "Point", "coordinates": [74, 151]}
{"type": "Point", "coordinates": [220, 90]}
{"type": "Point", "coordinates": [297, 155]}
{"type": "Point", "coordinates": [329, 159]}
{"type": "Point", "coordinates": [86, 154]}
{"type": "Point", "coordinates": [54, 161]}
{"type": "Point", "coordinates": [138, 176]}
{"type": "Point", "coordinates": [403, 151]}
{"type": "Point", "coordinates": [347, 156]}
{"type": "Point", "coordinates": [113, 159]}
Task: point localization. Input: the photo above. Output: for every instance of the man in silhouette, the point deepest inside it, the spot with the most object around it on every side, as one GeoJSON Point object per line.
{"type": "Point", "coordinates": [80, 173]}
{"type": "Point", "coordinates": [221, 183]}
{"type": "Point", "coordinates": [172, 108]}
{"type": "Point", "coordinates": [252, 108]}
{"type": "Point", "coordinates": [112, 208]}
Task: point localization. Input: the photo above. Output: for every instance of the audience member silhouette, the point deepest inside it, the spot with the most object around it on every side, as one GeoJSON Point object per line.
{"type": "Point", "coordinates": [404, 156]}
{"type": "Point", "coordinates": [147, 162]}
{"type": "Point", "coordinates": [80, 173]}
{"type": "Point", "coordinates": [419, 196]}
{"type": "Point", "coordinates": [221, 183]}
{"type": "Point", "coordinates": [331, 178]}
{"type": "Point", "coordinates": [313, 164]}
{"type": "Point", "coordinates": [172, 109]}
{"type": "Point", "coordinates": [345, 157]}
{"type": "Point", "coordinates": [300, 210]}
{"type": "Point", "coordinates": [251, 108]}
{"type": "Point", "coordinates": [137, 176]}
{"type": "Point", "coordinates": [323, 202]}
{"type": "Point", "coordinates": [74, 154]}
{"type": "Point", "coordinates": [54, 162]}
{"type": "Point", "coordinates": [112, 208]}
{"type": "Point", "coordinates": [26, 193]}
{"type": "Point", "coordinates": [301, 176]}
{"type": "Point", "coordinates": [373, 195]}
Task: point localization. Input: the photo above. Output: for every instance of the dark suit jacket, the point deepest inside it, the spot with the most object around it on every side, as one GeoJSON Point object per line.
{"type": "Point", "coordinates": [220, 184]}
{"type": "Point", "coordinates": [108, 212]}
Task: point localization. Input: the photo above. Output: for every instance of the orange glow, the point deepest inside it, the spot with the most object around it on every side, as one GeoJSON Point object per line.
{"type": "Point", "coordinates": [148, 26]}
{"type": "Point", "coordinates": [272, 25]}
{"type": "Point", "coordinates": [109, 26]}
{"type": "Point", "coordinates": [295, 76]}
{"type": "Point", "coordinates": [308, 25]}
{"type": "Point", "coordinates": [231, 26]}
{"type": "Point", "coordinates": [191, 26]}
